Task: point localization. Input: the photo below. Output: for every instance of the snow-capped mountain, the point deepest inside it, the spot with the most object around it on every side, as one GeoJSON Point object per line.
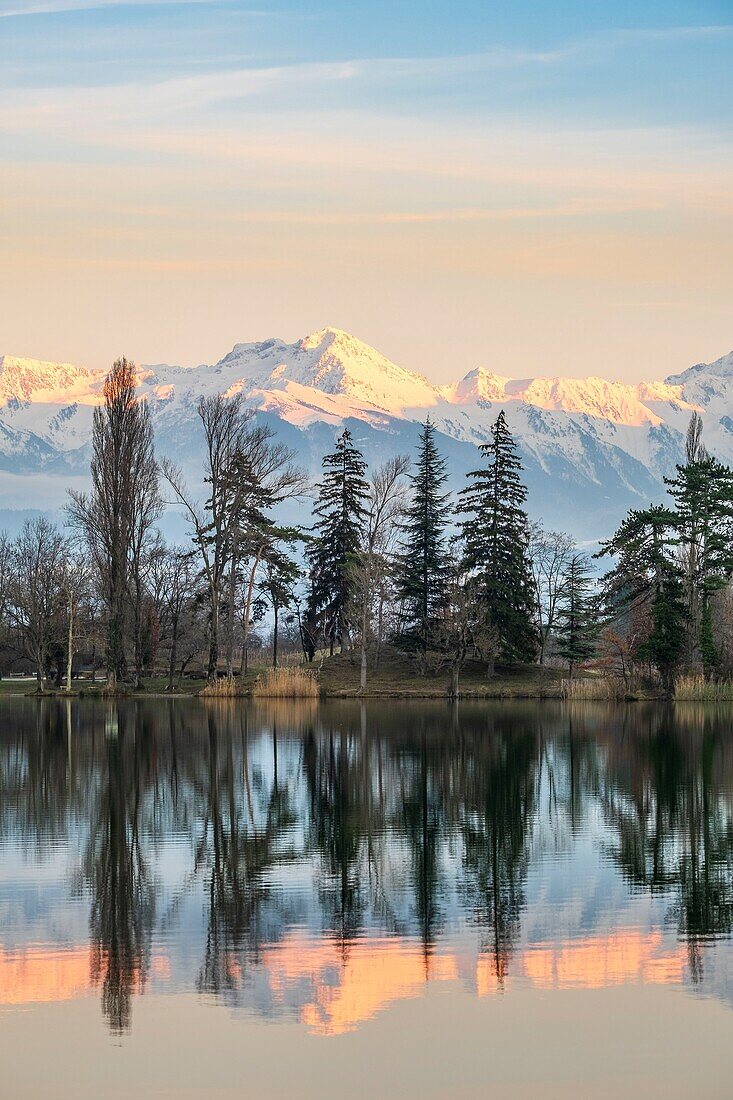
{"type": "Point", "coordinates": [592, 448]}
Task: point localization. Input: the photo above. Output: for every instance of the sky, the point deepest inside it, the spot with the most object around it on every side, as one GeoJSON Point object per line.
{"type": "Point", "coordinates": [533, 187]}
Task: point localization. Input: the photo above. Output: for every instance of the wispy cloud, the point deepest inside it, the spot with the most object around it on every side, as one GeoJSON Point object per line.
{"type": "Point", "coordinates": [12, 9]}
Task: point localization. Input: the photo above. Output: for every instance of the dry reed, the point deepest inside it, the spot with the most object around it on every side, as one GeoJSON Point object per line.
{"type": "Point", "coordinates": [698, 689]}
{"type": "Point", "coordinates": [225, 687]}
{"type": "Point", "coordinates": [286, 683]}
{"type": "Point", "coordinates": [599, 688]}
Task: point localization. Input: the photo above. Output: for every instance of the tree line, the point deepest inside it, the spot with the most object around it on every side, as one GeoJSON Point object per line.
{"type": "Point", "coordinates": [391, 558]}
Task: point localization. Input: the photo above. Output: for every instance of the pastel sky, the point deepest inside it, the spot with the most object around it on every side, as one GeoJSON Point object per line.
{"type": "Point", "coordinates": [536, 187]}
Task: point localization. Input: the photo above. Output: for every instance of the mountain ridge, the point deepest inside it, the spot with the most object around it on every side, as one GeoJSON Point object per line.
{"type": "Point", "coordinates": [606, 443]}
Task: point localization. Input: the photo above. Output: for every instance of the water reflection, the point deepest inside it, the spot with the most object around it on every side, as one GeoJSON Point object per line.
{"type": "Point", "coordinates": [328, 862]}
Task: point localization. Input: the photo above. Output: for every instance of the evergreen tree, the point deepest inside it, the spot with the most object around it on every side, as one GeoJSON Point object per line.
{"type": "Point", "coordinates": [666, 642]}
{"type": "Point", "coordinates": [423, 565]}
{"type": "Point", "coordinates": [647, 572]}
{"type": "Point", "coordinates": [577, 618]}
{"type": "Point", "coordinates": [495, 538]}
{"type": "Point", "coordinates": [703, 495]}
{"type": "Point", "coordinates": [341, 509]}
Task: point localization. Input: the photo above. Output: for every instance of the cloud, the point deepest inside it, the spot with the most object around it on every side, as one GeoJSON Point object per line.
{"type": "Point", "coordinates": [12, 9]}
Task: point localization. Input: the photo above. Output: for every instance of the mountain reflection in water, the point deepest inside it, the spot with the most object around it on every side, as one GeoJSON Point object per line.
{"type": "Point", "coordinates": [324, 862]}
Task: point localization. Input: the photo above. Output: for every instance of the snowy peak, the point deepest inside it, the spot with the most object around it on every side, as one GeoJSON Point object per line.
{"type": "Point", "coordinates": [615, 402]}
{"type": "Point", "coordinates": [722, 368]}
{"type": "Point", "coordinates": [477, 385]}
{"type": "Point", "coordinates": [24, 380]}
{"type": "Point", "coordinates": [332, 362]}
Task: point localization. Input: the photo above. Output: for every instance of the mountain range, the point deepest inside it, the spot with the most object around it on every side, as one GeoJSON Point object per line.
{"type": "Point", "coordinates": [591, 448]}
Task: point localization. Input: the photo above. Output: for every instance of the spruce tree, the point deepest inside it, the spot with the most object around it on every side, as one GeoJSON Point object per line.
{"type": "Point", "coordinates": [423, 564]}
{"type": "Point", "coordinates": [495, 539]}
{"type": "Point", "coordinates": [341, 511]}
{"type": "Point", "coordinates": [577, 618]}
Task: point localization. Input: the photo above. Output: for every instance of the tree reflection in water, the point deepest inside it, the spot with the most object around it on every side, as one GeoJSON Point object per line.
{"type": "Point", "coordinates": [393, 829]}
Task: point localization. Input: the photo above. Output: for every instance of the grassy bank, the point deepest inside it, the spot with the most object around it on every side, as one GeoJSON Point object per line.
{"type": "Point", "coordinates": [398, 676]}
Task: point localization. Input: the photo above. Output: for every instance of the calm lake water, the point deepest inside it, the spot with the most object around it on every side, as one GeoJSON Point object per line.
{"type": "Point", "coordinates": [399, 899]}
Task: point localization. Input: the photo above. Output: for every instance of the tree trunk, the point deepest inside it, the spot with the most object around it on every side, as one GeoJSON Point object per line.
{"type": "Point", "coordinates": [274, 635]}
{"type": "Point", "coordinates": [40, 659]}
{"type": "Point", "coordinates": [70, 645]}
{"type": "Point", "coordinates": [365, 628]}
{"type": "Point", "coordinates": [213, 636]}
{"type": "Point", "coordinates": [380, 619]}
{"type": "Point", "coordinates": [174, 648]}
{"type": "Point", "coordinates": [230, 616]}
{"type": "Point", "coordinates": [455, 671]}
{"type": "Point", "coordinates": [247, 610]}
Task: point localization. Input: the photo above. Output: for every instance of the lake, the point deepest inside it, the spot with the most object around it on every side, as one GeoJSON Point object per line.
{"type": "Point", "coordinates": [343, 900]}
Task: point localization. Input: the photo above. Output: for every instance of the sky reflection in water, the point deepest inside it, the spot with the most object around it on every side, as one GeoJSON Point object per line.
{"type": "Point", "coordinates": [319, 866]}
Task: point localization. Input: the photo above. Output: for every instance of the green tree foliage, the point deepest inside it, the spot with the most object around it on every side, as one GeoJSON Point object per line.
{"type": "Point", "coordinates": [341, 511]}
{"type": "Point", "coordinates": [647, 572]}
{"type": "Point", "coordinates": [703, 495]}
{"type": "Point", "coordinates": [495, 539]}
{"type": "Point", "coordinates": [577, 614]}
{"type": "Point", "coordinates": [423, 563]}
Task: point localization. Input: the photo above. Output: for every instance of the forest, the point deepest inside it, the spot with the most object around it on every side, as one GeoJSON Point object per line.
{"type": "Point", "coordinates": [388, 566]}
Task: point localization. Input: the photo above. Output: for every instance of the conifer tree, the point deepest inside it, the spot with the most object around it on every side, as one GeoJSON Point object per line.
{"type": "Point", "coordinates": [341, 510]}
{"type": "Point", "coordinates": [647, 571]}
{"type": "Point", "coordinates": [703, 495]}
{"type": "Point", "coordinates": [577, 618]}
{"type": "Point", "coordinates": [495, 539]}
{"type": "Point", "coordinates": [423, 565]}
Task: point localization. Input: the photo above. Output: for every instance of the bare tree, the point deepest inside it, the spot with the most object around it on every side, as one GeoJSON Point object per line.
{"type": "Point", "coordinates": [225, 422]}
{"type": "Point", "coordinates": [386, 508]}
{"type": "Point", "coordinates": [550, 553]}
{"type": "Point", "coordinates": [35, 597]}
{"type": "Point", "coordinates": [247, 475]}
{"type": "Point", "coordinates": [173, 580]}
{"type": "Point", "coordinates": [117, 516]}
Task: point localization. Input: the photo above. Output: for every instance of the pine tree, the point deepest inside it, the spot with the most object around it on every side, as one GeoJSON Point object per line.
{"type": "Point", "coordinates": [423, 565]}
{"type": "Point", "coordinates": [495, 539]}
{"type": "Point", "coordinates": [577, 618]}
{"type": "Point", "coordinates": [341, 509]}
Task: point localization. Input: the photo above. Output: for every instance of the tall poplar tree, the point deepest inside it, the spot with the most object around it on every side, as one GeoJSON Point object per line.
{"type": "Point", "coordinates": [495, 539]}
{"type": "Point", "coordinates": [341, 511]}
{"type": "Point", "coordinates": [423, 566]}
{"type": "Point", "coordinates": [117, 517]}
